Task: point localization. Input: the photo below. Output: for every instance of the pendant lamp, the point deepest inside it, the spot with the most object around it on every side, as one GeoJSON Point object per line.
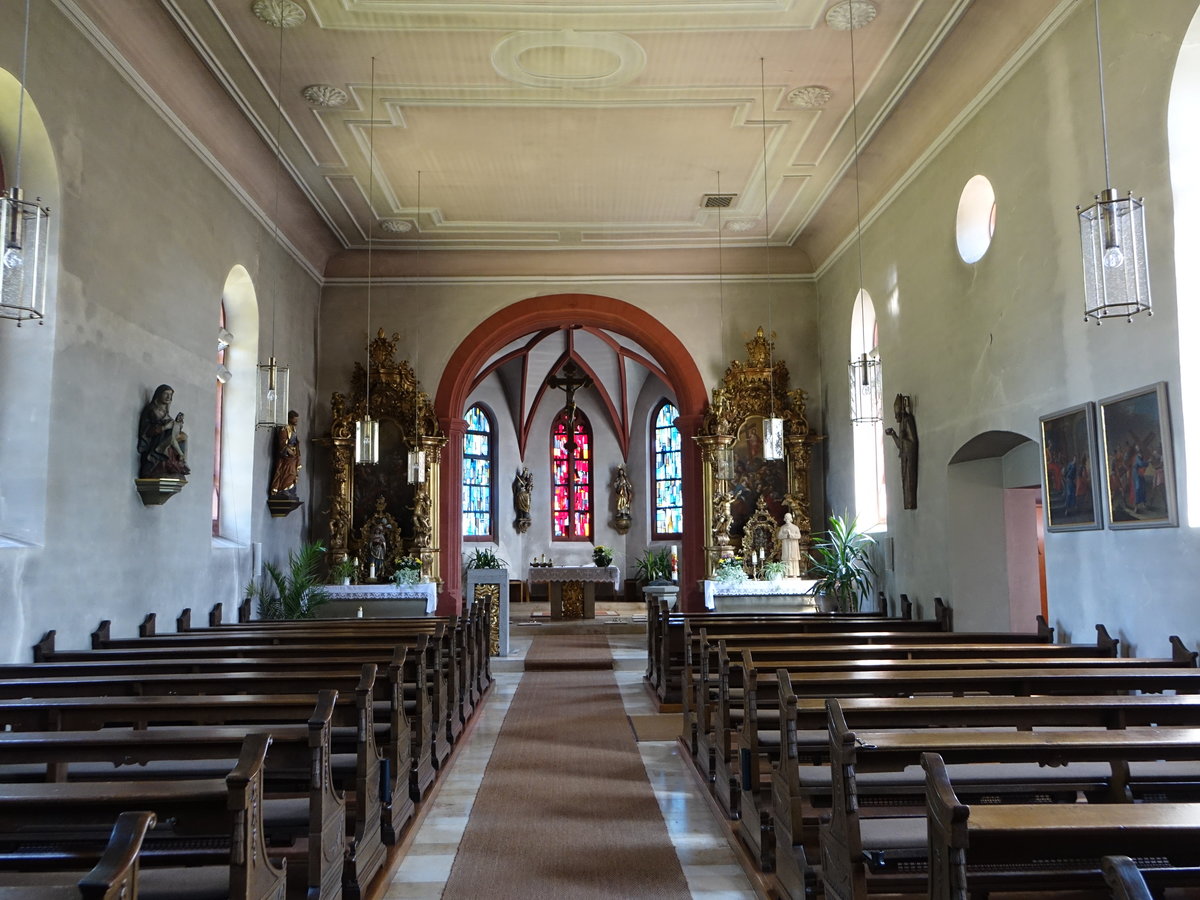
{"type": "Point", "coordinates": [272, 386]}
{"type": "Point", "coordinates": [1112, 232]}
{"type": "Point", "coordinates": [416, 456]}
{"type": "Point", "coordinates": [772, 426]}
{"type": "Point", "coordinates": [25, 227]}
{"type": "Point", "coordinates": [366, 429]}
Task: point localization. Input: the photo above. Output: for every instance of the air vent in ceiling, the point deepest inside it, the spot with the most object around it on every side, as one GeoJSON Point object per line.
{"type": "Point", "coordinates": [718, 201]}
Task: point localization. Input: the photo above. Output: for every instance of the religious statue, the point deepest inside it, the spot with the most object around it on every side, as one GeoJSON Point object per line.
{"type": "Point", "coordinates": [522, 499]}
{"type": "Point", "coordinates": [722, 519]}
{"type": "Point", "coordinates": [789, 536]}
{"type": "Point", "coordinates": [623, 491]}
{"type": "Point", "coordinates": [287, 457]}
{"type": "Point", "coordinates": [905, 436]}
{"type": "Point", "coordinates": [377, 549]}
{"type": "Point", "coordinates": [162, 443]}
{"type": "Point", "coordinates": [422, 518]}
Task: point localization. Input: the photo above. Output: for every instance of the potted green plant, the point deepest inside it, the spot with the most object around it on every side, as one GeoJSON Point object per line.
{"type": "Point", "coordinates": [485, 558]}
{"type": "Point", "coordinates": [342, 571]}
{"type": "Point", "coordinates": [774, 571]}
{"type": "Point", "coordinates": [654, 566]}
{"type": "Point", "coordinates": [602, 555]}
{"type": "Point", "coordinates": [295, 594]}
{"type": "Point", "coordinates": [841, 566]}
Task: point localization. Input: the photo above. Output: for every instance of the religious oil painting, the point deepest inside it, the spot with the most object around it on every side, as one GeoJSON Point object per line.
{"type": "Point", "coordinates": [1071, 492]}
{"type": "Point", "coordinates": [755, 476]}
{"type": "Point", "coordinates": [1135, 432]}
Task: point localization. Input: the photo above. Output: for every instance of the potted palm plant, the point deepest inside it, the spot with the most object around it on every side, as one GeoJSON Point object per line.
{"type": "Point", "coordinates": [841, 566]}
{"type": "Point", "coordinates": [294, 594]}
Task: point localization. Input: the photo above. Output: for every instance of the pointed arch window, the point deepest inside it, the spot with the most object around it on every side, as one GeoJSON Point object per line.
{"type": "Point", "coordinates": [666, 449]}
{"type": "Point", "coordinates": [571, 478]}
{"type": "Point", "coordinates": [870, 490]}
{"type": "Point", "coordinates": [479, 475]}
{"type": "Point", "coordinates": [223, 339]}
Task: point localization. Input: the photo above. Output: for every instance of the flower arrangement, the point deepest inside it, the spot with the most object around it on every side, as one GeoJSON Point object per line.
{"type": "Point", "coordinates": [602, 555]}
{"type": "Point", "coordinates": [730, 570]}
{"type": "Point", "coordinates": [485, 558]}
{"type": "Point", "coordinates": [408, 570]}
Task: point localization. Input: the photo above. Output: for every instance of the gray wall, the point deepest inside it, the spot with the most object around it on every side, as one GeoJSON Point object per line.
{"type": "Point", "coordinates": [995, 345]}
{"type": "Point", "coordinates": [146, 235]}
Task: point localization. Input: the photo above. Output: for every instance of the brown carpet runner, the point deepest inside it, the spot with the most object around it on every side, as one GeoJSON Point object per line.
{"type": "Point", "coordinates": [565, 809]}
{"type": "Point", "coordinates": [554, 652]}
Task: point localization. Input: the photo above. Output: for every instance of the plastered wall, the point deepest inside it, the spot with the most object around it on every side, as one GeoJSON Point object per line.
{"type": "Point", "coordinates": [995, 345]}
{"type": "Point", "coordinates": [147, 235]}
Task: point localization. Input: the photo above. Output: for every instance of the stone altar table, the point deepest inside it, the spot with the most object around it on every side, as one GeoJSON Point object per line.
{"type": "Point", "coordinates": [573, 588]}
{"type": "Point", "coordinates": [781, 595]}
{"type": "Point", "coordinates": [379, 600]}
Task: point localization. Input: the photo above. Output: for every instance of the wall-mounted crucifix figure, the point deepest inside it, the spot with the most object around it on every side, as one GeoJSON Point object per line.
{"type": "Point", "coordinates": [570, 379]}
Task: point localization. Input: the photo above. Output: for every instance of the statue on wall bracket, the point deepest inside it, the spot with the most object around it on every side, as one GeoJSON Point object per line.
{"type": "Point", "coordinates": [622, 499]}
{"type": "Point", "coordinates": [162, 449]}
{"type": "Point", "coordinates": [407, 424]}
{"type": "Point", "coordinates": [522, 499]}
{"type": "Point", "coordinates": [281, 496]}
{"type": "Point", "coordinates": [907, 444]}
{"type": "Point", "coordinates": [741, 486]}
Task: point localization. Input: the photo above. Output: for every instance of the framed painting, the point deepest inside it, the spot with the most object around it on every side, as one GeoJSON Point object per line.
{"type": "Point", "coordinates": [1135, 433]}
{"type": "Point", "coordinates": [1071, 493]}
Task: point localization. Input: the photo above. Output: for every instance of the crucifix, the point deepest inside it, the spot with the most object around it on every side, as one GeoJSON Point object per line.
{"type": "Point", "coordinates": [570, 380]}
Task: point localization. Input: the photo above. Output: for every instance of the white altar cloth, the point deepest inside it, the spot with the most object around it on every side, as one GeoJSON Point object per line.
{"type": "Point", "coordinates": [775, 590]}
{"type": "Point", "coordinates": [346, 593]}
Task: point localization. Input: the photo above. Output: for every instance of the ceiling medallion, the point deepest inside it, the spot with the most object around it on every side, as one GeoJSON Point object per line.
{"type": "Point", "coordinates": [741, 224]}
{"type": "Point", "coordinates": [396, 226]}
{"type": "Point", "coordinates": [838, 17]}
{"type": "Point", "coordinates": [279, 13]}
{"type": "Point", "coordinates": [811, 97]}
{"type": "Point", "coordinates": [325, 95]}
{"type": "Point", "coordinates": [569, 59]}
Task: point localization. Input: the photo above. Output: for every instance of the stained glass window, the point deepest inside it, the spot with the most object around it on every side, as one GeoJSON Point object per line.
{"type": "Point", "coordinates": [667, 452]}
{"type": "Point", "coordinates": [222, 345]}
{"type": "Point", "coordinates": [478, 475]}
{"type": "Point", "coordinates": [571, 479]}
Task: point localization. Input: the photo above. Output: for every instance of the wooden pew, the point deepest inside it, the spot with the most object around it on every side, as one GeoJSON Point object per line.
{"type": "Point", "coordinates": [1056, 766]}
{"type": "Point", "coordinates": [738, 722]}
{"type": "Point", "coordinates": [792, 798]}
{"type": "Point", "coordinates": [1045, 846]}
{"type": "Point", "coordinates": [666, 668]}
{"type": "Point", "coordinates": [411, 663]}
{"type": "Point", "coordinates": [49, 814]}
{"type": "Point", "coordinates": [300, 762]}
{"type": "Point", "coordinates": [740, 784]}
{"type": "Point", "coordinates": [1128, 882]}
{"type": "Point", "coordinates": [113, 877]}
{"type": "Point", "coordinates": [370, 807]}
{"type": "Point", "coordinates": [451, 655]}
{"type": "Point", "coordinates": [701, 700]}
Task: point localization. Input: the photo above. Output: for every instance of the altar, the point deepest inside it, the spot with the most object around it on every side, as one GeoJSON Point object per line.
{"type": "Point", "coordinates": [780, 595]}
{"type": "Point", "coordinates": [379, 601]}
{"type": "Point", "coordinates": [573, 588]}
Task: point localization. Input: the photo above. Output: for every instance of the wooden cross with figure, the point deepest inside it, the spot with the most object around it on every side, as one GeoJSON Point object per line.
{"type": "Point", "coordinates": [570, 380]}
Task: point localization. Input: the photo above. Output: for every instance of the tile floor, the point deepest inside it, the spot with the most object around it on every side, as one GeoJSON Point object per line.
{"type": "Point", "coordinates": [712, 870]}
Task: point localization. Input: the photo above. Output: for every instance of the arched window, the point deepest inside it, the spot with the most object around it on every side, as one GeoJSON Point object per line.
{"type": "Point", "coordinates": [667, 452]}
{"type": "Point", "coordinates": [478, 476]}
{"type": "Point", "coordinates": [571, 478]}
{"type": "Point", "coordinates": [223, 339]}
{"type": "Point", "coordinates": [870, 495]}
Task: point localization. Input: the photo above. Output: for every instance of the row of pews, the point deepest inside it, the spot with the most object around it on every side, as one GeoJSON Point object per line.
{"type": "Point", "coordinates": [251, 760]}
{"type": "Point", "coordinates": [868, 755]}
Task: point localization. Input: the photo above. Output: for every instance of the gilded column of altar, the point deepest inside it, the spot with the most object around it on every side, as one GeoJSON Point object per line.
{"type": "Point", "coordinates": [431, 553]}
{"type": "Point", "coordinates": [798, 499]}
{"type": "Point", "coordinates": [717, 498]}
{"type": "Point", "coordinates": [340, 504]}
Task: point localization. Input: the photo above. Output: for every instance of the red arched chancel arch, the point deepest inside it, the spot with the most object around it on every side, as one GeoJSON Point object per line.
{"type": "Point", "coordinates": [535, 314]}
